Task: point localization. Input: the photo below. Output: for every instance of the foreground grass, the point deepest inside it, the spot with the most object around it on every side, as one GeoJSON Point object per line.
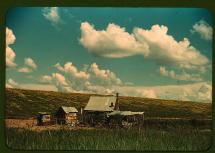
{"type": "Point", "coordinates": [110, 139]}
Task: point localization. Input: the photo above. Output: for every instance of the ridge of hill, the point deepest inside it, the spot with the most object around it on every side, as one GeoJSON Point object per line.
{"type": "Point", "coordinates": [27, 103]}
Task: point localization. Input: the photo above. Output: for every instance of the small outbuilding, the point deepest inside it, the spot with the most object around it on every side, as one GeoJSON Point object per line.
{"type": "Point", "coordinates": [66, 115]}
{"type": "Point", "coordinates": [44, 118]}
{"type": "Point", "coordinates": [125, 119]}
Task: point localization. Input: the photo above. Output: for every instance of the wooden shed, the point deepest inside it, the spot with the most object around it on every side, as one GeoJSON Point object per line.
{"type": "Point", "coordinates": [66, 115]}
{"type": "Point", "coordinates": [44, 118]}
{"type": "Point", "coordinates": [125, 119]}
{"type": "Point", "coordinates": [98, 107]}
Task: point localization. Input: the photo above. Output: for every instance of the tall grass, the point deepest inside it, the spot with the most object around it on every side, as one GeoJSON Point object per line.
{"type": "Point", "coordinates": [182, 139]}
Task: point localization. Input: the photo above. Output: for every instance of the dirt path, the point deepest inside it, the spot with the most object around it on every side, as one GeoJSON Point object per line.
{"type": "Point", "coordinates": [31, 124]}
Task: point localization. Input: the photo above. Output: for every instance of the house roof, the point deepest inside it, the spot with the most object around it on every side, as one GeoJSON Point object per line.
{"type": "Point", "coordinates": [99, 103]}
{"type": "Point", "coordinates": [124, 113]}
{"type": "Point", "coordinates": [69, 109]}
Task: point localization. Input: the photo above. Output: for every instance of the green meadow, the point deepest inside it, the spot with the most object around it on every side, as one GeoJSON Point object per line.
{"type": "Point", "coordinates": [182, 125]}
{"type": "Point", "coordinates": [110, 139]}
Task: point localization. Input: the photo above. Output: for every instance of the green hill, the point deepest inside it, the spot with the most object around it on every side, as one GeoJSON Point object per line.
{"type": "Point", "coordinates": [26, 103]}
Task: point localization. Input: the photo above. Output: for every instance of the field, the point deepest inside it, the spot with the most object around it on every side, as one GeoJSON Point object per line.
{"type": "Point", "coordinates": [169, 125]}
{"type": "Point", "coordinates": [109, 139]}
{"type": "Point", "coordinates": [27, 103]}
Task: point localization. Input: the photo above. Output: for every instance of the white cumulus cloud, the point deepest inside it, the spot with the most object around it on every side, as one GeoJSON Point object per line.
{"type": "Point", "coordinates": [10, 37]}
{"type": "Point", "coordinates": [90, 78]}
{"type": "Point", "coordinates": [203, 29]}
{"type": "Point", "coordinates": [79, 80]}
{"type": "Point", "coordinates": [29, 67]}
{"type": "Point", "coordinates": [154, 44]}
{"type": "Point", "coordinates": [197, 92]}
{"type": "Point", "coordinates": [113, 42]}
{"type": "Point", "coordinates": [25, 70]}
{"type": "Point", "coordinates": [184, 76]}
{"type": "Point", "coordinates": [205, 92]}
{"type": "Point", "coordinates": [60, 82]}
{"type": "Point", "coordinates": [103, 77]}
{"type": "Point", "coordinates": [30, 63]}
{"type": "Point", "coordinates": [57, 80]}
{"type": "Point", "coordinates": [10, 54]}
{"type": "Point", "coordinates": [146, 93]}
{"type": "Point", "coordinates": [46, 79]}
{"type": "Point", "coordinates": [11, 83]}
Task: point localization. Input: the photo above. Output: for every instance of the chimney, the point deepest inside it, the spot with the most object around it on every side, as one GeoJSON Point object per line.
{"type": "Point", "coordinates": [117, 101]}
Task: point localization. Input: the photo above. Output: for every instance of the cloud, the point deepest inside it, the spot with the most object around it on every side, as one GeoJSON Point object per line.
{"type": "Point", "coordinates": [52, 14]}
{"type": "Point", "coordinates": [205, 92]}
{"type": "Point", "coordinates": [29, 67]}
{"type": "Point", "coordinates": [61, 83]}
{"type": "Point", "coordinates": [59, 67]}
{"type": "Point", "coordinates": [25, 70]}
{"type": "Point", "coordinates": [30, 63]}
{"type": "Point", "coordinates": [78, 80]}
{"type": "Point", "coordinates": [86, 79]}
{"type": "Point", "coordinates": [10, 54]}
{"type": "Point", "coordinates": [11, 84]}
{"type": "Point", "coordinates": [71, 69]}
{"type": "Point", "coordinates": [197, 92]}
{"type": "Point", "coordinates": [136, 91]}
{"type": "Point", "coordinates": [45, 79]}
{"type": "Point", "coordinates": [113, 42]}
{"type": "Point", "coordinates": [10, 37]}
{"type": "Point", "coordinates": [38, 86]}
{"type": "Point", "coordinates": [104, 81]}
{"type": "Point", "coordinates": [154, 44]}
{"type": "Point", "coordinates": [203, 29]}
{"type": "Point", "coordinates": [58, 81]}
{"type": "Point", "coordinates": [103, 77]}
{"type": "Point", "coordinates": [184, 76]}
{"type": "Point", "coordinates": [146, 93]}
{"type": "Point", "coordinates": [92, 75]}
{"type": "Point", "coordinates": [100, 90]}
{"type": "Point", "coordinates": [10, 57]}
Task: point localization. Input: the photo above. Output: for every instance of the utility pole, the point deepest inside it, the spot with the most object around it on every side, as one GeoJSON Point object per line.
{"type": "Point", "coordinates": [178, 87]}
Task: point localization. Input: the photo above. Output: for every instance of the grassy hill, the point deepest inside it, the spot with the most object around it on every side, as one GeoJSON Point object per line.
{"type": "Point", "coordinates": [26, 103]}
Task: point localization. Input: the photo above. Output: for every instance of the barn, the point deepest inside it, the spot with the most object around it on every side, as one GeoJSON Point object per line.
{"type": "Point", "coordinates": [44, 118]}
{"type": "Point", "coordinates": [98, 107]}
{"type": "Point", "coordinates": [66, 115]}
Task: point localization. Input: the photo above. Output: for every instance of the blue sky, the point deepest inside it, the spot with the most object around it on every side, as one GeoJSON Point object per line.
{"type": "Point", "coordinates": [92, 57]}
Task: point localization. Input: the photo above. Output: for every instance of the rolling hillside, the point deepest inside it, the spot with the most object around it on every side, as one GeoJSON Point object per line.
{"type": "Point", "coordinates": [26, 104]}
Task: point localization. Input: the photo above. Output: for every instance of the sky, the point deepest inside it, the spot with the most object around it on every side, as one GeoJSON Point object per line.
{"type": "Point", "coordinates": [145, 52]}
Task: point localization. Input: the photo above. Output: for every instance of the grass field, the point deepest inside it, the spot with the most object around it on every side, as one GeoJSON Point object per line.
{"type": "Point", "coordinates": [168, 125]}
{"type": "Point", "coordinates": [110, 139]}
{"type": "Point", "coordinates": [27, 103]}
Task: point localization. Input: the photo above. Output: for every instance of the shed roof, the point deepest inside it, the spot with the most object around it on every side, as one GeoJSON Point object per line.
{"type": "Point", "coordinates": [99, 103]}
{"type": "Point", "coordinates": [124, 113]}
{"type": "Point", "coordinates": [44, 113]}
{"type": "Point", "coordinates": [69, 109]}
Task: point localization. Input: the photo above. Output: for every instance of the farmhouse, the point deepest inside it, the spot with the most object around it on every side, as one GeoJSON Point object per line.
{"type": "Point", "coordinates": [43, 118]}
{"type": "Point", "coordinates": [98, 107]}
{"type": "Point", "coordinates": [66, 115]}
